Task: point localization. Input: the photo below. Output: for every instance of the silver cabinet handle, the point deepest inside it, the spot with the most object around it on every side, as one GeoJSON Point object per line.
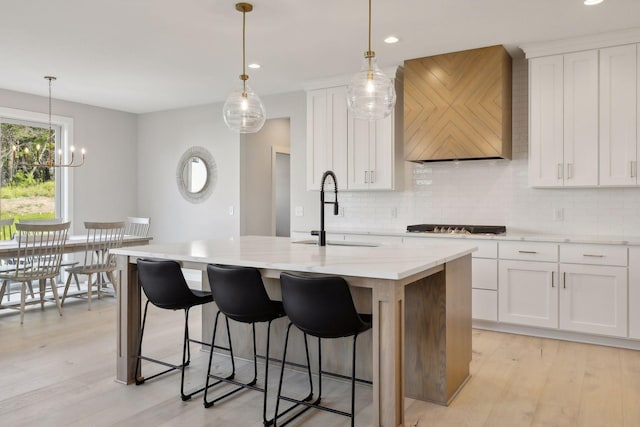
{"type": "Point", "coordinates": [366, 177]}
{"type": "Point", "coordinates": [594, 255]}
{"type": "Point", "coordinates": [569, 170]}
{"type": "Point", "coordinates": [633, 166]}
{"type": "Point", "coordinates": [553, 273]}
{"type": "Point", "coordinates": [528, 252]}
{"type": "Point", "coordinates": [559, 170]}
{"type": "Point", "coordinates": [564, 280]}
{"type": "Point", "coordinates": [373, 177]}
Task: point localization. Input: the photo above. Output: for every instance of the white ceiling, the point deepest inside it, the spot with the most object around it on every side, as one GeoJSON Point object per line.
{"type": "Point", "coordinates": [149, 55]}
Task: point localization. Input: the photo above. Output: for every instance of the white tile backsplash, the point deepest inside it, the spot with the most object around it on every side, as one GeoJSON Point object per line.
{"type": "Point", "coordinates": [492, 192]}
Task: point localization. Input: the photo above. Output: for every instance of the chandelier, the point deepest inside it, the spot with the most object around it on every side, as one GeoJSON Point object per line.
{"type": "Point", "coordinates": [46, 156]}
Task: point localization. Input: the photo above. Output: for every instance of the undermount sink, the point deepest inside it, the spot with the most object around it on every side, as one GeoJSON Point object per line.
{"type": "Point", "coordinates": [336, 243]}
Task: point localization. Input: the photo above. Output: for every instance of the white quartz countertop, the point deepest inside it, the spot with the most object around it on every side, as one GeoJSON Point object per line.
{"type": "Point", "coordinates": [515, 234]}
{"type": "Point", "coordinates": [280, 253]}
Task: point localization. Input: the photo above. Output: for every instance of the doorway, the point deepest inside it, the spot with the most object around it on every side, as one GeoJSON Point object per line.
{"type": "Point", "coordinates": [281, 192]}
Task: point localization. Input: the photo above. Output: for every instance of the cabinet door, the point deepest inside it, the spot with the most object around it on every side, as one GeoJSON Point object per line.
{"type": "Point", "coordinates": [545, 122]}
{"type": "Point", "coordinates": [326, 135]}
{"type": "Point", "coordinates": [593, 299]}
{"type": "Point", "coordinates": [317, 147]}
{"type": "Point", "coordinates": [581, 119]}
{"type": "Point", "coordinates": [381, 154]}
{"type": "Point", "coordinates": [361, 132]}
{"type": "Point", "coordinates": [527, 293]}
{"type": "Point", "coordinates": [634, 292]}
{"type": "Point", "coordinates": [618, 113]}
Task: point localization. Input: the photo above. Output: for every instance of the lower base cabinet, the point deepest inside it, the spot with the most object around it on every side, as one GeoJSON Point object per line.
{"type": "Point", "coordinates": [484, 304]}
{"type": "Point", "coordinates": [527, 293]}
{"type": "Point", "coordinates": [593, 299]}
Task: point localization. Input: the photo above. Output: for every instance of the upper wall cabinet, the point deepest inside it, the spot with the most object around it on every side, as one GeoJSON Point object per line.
{"type": "Point", "coordinates": [365, 155]}
{"type": "Point", "coordinates": [618, 115]}
{"type": "Point", "coordinates": [326, 135]}
{"type": "Point", "coordinates": [583, 111]}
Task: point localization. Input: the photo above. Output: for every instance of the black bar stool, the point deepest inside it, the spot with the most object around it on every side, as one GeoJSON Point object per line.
{"type": "Point", "coordinates": [241, 296]}
{"type": "Point", "coordinates": [321, 307]}
{"type": "Point", "coordinates": [165, 287]}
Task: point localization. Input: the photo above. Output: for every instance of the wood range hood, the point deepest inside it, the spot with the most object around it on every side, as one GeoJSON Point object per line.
{"type": "Point", "coordinates": [457, 106]}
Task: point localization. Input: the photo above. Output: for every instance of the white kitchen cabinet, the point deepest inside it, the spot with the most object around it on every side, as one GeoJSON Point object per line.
{"type": "Point", "coordinates": [593, 299]}
{"type": "Point", "coordinates": [563, 149]}
{"type": "Point", "coordinates": [618, 115]}
{"type": "Point", "coordinates": [634, 292]}
{"type": "Point", "coordinates": [326, 135]}
{"type": "Point", "coordinates": [484, 305]}
{"type": "Point", "coordinates": [528, 293]}
{"type": "Point", "coordinates": [371, 153]}
{"type": "Point", "coordinates": [580, 142]}
{"type": "Point", "coordinates": [546, 161]}
{"type": "Point", "coordinates": [365, 155]}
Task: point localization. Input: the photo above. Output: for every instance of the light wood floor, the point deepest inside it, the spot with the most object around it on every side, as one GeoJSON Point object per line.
{"type": "Point", "coordinates": [59, 371]}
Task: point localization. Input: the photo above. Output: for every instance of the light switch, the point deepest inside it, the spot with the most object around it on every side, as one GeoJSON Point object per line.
{"type": "Point", "coordinates": [299, 211]}
{"type": "Point", "coordinates": [231, 210]}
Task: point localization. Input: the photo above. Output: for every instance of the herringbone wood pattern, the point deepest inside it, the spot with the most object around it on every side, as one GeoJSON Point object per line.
{"type": "Point", "coordinates": [458, 105]}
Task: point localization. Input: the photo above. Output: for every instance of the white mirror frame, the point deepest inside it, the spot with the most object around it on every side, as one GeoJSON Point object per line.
{"type": "Point", "coordinates": [212, 174]}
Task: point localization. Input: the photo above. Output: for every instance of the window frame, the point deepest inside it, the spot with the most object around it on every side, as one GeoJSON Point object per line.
{"type": "Point", "coordinates": [63, 140]}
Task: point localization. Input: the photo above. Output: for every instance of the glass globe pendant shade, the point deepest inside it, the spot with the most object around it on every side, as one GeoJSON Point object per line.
{"type": "Point", "coordinates": [371, 95]}
{"type": "Point", "coordinates": [243, 111]}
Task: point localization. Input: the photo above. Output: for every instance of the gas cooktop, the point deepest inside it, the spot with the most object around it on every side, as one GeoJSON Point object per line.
{"type": "Point", "coordinates": [457, 229]}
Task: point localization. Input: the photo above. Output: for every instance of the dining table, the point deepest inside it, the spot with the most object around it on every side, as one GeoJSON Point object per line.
{"type": "Point", "coordinates": [420, 299]}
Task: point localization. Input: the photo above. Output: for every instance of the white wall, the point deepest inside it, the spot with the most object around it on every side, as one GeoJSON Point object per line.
{"type": "Point", "coordinates": [104, 188]}
{"type": "Point", "coordinates": [162, 138]}
{"type": "Point", "coordinates": [257, 207]}
{"type": "Point", "coordinates": [478, 192]}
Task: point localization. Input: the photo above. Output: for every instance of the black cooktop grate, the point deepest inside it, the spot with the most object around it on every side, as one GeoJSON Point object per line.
{"type": "Point", "coordinates": [449, 228]}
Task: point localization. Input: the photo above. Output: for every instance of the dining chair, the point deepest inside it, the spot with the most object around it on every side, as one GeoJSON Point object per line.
{"type": "Point", "coordinates": [6, 229]}
{"type": "Point", "coordinates": [102, 237]}
{"type": "Point", "coordinates": [65, 262]}
{"type": "Point", "coordinates": [40, 248]}
{"type": "Point", "coordinates": [136, 226]}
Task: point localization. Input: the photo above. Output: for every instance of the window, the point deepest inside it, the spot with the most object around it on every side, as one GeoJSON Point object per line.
{"type": "Point", "coordinates": [29, 192]}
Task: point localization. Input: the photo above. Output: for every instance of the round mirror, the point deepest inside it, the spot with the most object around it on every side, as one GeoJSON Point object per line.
{"type": "Point", "coordinates": [196, 174]}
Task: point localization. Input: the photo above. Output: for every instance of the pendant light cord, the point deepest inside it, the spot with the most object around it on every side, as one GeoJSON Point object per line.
{"type": "Point", "coordinates": [244, 76]}
{"type": "Point", "coordinates": [369, 25]}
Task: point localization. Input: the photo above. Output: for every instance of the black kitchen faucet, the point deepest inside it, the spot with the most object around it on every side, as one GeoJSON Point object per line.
{"type": "Point", "coordinates": [322, 240]}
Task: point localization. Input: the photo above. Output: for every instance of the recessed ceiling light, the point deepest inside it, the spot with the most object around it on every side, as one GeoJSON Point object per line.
{"type": "Point", "coordinates": [254, 66]}
{"type": "Point", "coordinates": [391, 40]}
{"type": "Point", "coordinates": [592, 2]}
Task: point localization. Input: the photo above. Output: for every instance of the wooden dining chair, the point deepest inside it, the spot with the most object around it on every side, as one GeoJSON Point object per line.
{"type": "Point", "coordinates": [102, 237]}
{"type": "Point", "coordinates": [40, 248]}
{"type": "Point", "coordinates": [136, 226]}
{"type": "Point", "coordinates": [6, 229]}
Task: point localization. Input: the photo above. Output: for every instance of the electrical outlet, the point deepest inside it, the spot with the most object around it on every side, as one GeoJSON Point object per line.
{"type": "Point", "coordinates": [299, 211]}
{"type": "Point", "coordinates": [558, 214]}
{"type": "Point", "coordinates": [394, 212]}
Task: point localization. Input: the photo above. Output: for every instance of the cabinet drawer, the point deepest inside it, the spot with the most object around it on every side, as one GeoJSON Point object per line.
{"type": "Point", "coordinates": [529, 251]}
{"type": "Point", "coordinates": [484, 273]}
{"type": "Point", "coordinates": [593, 254]}
{"type": "Point", "coordinates": [485, 249]}
{"type": "Point", "coordinates": [484, 304]}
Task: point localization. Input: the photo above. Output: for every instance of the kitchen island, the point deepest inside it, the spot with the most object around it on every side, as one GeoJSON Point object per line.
{"type": "Point", "coordinates": [420, 301]}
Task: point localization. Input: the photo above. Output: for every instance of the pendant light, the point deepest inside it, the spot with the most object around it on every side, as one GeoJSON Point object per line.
{"type": "Point", "coordinates": [45, 157]}
{"type": "Point", "coordinates": [243, 111]}
{"type": "Point", "coordinates": [371, 95]}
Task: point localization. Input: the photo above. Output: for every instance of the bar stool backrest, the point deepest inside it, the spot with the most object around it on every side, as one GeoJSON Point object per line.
{"type": "Point", "coordinates": [163, 283]}
{"type": "Point", "coordinates": [239, 293]}
{"type": "Point", "coordinates": [320, 306]}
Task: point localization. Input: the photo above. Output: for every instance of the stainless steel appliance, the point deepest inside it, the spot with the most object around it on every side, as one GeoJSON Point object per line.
{"type": "Point", "coordinates": [457, 229]}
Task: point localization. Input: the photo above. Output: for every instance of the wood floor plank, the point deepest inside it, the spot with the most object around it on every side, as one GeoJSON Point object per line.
{"type": "Point", "coordinates": [59, 371]}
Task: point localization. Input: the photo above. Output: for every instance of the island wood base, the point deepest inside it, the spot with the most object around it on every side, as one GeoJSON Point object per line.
{"type": "Point", "coordinates": [422, 324]}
